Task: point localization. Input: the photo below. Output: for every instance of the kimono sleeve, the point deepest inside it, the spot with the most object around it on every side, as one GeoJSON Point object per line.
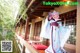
{"type": "Point", "coordinates": [64, 34]}
{"type": "Point", "coordinates": [45, 31]}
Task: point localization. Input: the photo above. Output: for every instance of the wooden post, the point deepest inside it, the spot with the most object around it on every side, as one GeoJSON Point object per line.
{"type": "Point", "coordinates": [78, 30]}
{"type": "Point", "coordinates": [26, 32]}
{"type": "Point", "coordinates": [20, 32]}
{"type": "Point", "coordinates": [64, 21]}
{"type": "Point", "coordinates": [32, 30]}
{"type": "Point", "coordinates": [27, 28]}
{"type": "Point", "coordinates": [16, 30]}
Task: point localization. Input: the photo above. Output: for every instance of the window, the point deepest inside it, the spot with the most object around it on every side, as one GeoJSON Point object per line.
{"type": "Point", "coordinates": [37, 29]}
{"type": "Point", "coordinates": [69, 20]}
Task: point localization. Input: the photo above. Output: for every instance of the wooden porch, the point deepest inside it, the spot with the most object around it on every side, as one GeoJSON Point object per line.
{"type": "Point", "coordinates": [36, 20]}
{"type": "Point", "coordinates": [29, 48]}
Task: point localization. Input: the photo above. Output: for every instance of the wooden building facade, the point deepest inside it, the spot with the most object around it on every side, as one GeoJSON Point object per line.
{"type": "Point", "coordinates": [37, 16]}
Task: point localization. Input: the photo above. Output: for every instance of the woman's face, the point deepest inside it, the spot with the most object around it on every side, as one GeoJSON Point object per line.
{"type": "Point", "coordinates": [55, 16]}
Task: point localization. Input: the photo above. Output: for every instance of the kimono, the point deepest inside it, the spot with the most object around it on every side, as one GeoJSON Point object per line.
{"type": "Point", "coordinates": [57, 35]}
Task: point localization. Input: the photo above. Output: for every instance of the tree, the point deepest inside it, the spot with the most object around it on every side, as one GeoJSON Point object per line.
{"type": "Point", "coordinates": [9, 12]}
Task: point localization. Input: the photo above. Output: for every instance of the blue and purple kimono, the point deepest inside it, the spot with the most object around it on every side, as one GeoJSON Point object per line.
{"type": "Point", "coordinates": [56, 33]}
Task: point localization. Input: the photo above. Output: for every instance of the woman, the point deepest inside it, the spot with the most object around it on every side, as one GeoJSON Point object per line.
{"type": "Point", "coordinates": [55, 32]}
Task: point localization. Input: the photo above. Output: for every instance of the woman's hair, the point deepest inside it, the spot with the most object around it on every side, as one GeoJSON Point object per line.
{"type": "Point", "coordinates": [50, 16]}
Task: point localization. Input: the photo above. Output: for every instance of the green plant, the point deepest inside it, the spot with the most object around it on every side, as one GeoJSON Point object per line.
{"type": "Point", "coordinates": [10, 10]}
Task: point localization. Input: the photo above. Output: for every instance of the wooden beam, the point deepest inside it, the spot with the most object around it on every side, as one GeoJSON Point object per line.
{"type": "Point", "coordinates": [53, 0]}
{"type": "Point", "coordinates": [37, 13]}
{"type": "Point", "coordinates": [36, 6]}
{"type": "Point", "coordinates": [45, 7]}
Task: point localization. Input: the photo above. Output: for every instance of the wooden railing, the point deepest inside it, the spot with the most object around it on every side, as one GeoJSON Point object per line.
{"type": "Point", "coordinates": [68, 47]}
{"type": "Point", "coordinates": [28, 47]}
